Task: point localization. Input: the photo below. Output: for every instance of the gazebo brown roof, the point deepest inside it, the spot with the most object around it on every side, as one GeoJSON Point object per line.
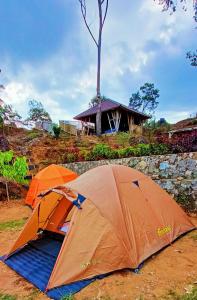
{"type": "Point", "coordinates": [107, 105]}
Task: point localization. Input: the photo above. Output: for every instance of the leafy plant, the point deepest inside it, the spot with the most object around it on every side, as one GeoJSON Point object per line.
{"type": "Point", "coordinates": [101, 151]}
{"type": "Point", "coordinates": [13, 169]}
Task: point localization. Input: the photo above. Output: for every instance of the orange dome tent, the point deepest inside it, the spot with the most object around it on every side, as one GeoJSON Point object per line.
{"type": "Point", "coordinates": [120, 218]}
{"type": "Point", "coordinates": [47, 178]}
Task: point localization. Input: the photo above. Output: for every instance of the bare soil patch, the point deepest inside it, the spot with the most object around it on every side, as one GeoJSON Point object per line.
{"type": "Point", "coordinates": [174, 268]}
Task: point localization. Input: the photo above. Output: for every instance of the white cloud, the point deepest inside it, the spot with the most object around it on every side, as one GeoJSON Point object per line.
{"type": "Point", "coordinates": [173, 116]}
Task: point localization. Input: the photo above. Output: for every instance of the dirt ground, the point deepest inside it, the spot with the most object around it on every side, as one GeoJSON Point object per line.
{"type": "Point", "coordinates": [174, 268]}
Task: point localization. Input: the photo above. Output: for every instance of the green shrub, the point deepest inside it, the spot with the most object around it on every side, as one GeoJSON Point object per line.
{"type": "Point", "coordinates": [71, 157]}
{"type": "Point", "coordinates": [159, 149]}
{"type": "Point", "coordinates": [194, 122]}
{"type": "Point", "coordinates": [101, 151]}
{"type": "Point", "coordinates": [143, 150]}
{"type": "Point", "coordinates": [56, 131]}
{"type": "Point", "coordinates": [126, 152]}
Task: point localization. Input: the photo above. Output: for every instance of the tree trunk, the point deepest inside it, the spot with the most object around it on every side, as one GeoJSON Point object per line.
{"type": "Point", "coordinates": [98, 88]}
{"type": "Point", "coordinates": [7, 191]}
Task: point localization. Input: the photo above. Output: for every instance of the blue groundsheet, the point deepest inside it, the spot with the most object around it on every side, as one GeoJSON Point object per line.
{"type": "Point", "coordinates": [35, 263]}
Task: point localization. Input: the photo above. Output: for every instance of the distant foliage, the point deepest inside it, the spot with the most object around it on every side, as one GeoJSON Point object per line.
{"type": "Point", "coordinates": [192, 56]}
{"type": "Point", "coordinates": [56, 131]}
{"type": "Point", "coordinates": [37, 112]}
{"type": "Point", "coordinates": [172, 6]}
{"type": "Point", "coordinates": [11, 168]}
{"type": "Point", "coordinates": [7, 113]}
{"type": "Point", "coordinates": [95, 100]}
{"type": "Point", "coordinates": [145, 100]}
{"type": "Point", "coordinates": [157, 126]}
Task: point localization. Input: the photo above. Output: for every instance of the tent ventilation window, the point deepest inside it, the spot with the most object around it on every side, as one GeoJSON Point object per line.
{"type": "Point", "coordinates": [136, 183]}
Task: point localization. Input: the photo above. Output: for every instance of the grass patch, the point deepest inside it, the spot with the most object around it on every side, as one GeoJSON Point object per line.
{"type": "Point", "coordinates": [69, 297]}
{"type": "Point", "coordinates": [7, 297]}
{"type": "Point", "coordinates": [33, 295]}
{"type": "Point", "coordinates": [12, 225]}
{"type": "Point", "coordinates": [194, 236]}
{"type": "Point", "coordinates": [190, 295]}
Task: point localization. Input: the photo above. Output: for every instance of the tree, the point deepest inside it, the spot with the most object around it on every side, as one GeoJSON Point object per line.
{"type": "Point", "coordinates": [192, 56]}
{"type": "Point", "coordinates": [94, 101]}
{"type": "Point", "coordinates": [172, 6]}
{"type": "Point", "coordinates": [7, 113]}
{"type": "Point", "coordinates": [37, 112]}
{"type": "Point", "coordinates": [102, 13]}
{"type": "Point", "coordinates": [145, 100]}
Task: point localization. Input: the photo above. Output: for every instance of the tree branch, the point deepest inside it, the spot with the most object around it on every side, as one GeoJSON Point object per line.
{"type": "Point", "coordinates": [106, 9]}
{"type": "Point", "coordinates": [83, 11]}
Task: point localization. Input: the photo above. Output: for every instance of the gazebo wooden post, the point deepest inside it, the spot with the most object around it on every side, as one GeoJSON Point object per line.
{"type": "Point", "coordinates": [109, 121]}
{"type": "Point", "coordinates": [130, 123]}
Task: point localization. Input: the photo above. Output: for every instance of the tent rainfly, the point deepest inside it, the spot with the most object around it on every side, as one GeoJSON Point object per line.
{"type": "Point", "coordinates": [110, 218]}
{"type": "Point", "coordinates": [47, 178]}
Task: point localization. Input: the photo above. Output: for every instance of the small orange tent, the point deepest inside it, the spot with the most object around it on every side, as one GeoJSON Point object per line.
{"type": "Point", "coordinates": [47, 178]}
{"type": "Point", "coordinates": [120, 218]}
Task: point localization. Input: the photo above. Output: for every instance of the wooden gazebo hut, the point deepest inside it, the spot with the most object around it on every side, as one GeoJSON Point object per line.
{"type": "Point", "coordinates": [115, 117]}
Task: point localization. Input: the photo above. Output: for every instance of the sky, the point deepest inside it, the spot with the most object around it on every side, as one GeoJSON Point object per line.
{"type": "Point", "coordinates": [47, 54]}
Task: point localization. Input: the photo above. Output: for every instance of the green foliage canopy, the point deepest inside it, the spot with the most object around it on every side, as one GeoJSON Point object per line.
{"type": "Point", "coordinates": [95, 100]}
{"type": "Point", "coordinates": [145, 100]}
{"type": "Point", "coordinates": [37, 112]}
{"type": "Point", "coordinates": [13, 168]}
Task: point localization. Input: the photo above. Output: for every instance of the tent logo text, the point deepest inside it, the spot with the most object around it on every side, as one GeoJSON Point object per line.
{"type": "Point", "coordinates": [164, 230]}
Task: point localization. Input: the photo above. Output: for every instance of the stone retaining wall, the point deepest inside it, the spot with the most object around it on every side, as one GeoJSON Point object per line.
{"type": "Point", "coordinates": [176, 173]}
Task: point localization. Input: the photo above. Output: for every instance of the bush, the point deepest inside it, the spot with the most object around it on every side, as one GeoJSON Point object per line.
{"type": "Point", "coordinates": [143, 150]}
{"type": "Point", "coordinates": [101, 151]}
{"type": "Point", "coordinates": [126, 152]}
{"type": "Point", "coordinates": [56, 131]}
{"type": "Point", "coordinates": [159, 149]}
{"type": "Point", "coordinates": [70, 157]}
